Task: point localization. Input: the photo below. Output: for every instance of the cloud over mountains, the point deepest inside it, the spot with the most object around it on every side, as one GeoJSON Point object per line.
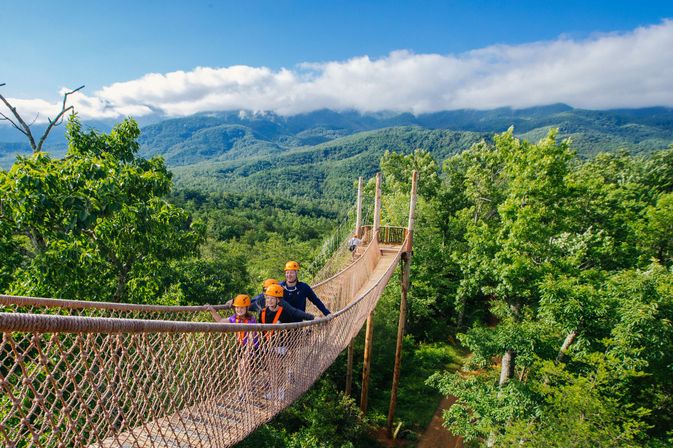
{"type": "Point", "coordinates": [633, 69]}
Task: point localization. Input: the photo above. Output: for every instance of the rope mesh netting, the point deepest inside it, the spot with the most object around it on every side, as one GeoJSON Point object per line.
{"type": "Point", "coordinates": [77, 374]}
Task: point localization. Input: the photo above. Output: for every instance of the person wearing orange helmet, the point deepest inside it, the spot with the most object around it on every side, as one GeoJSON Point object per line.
{"type": "Point", "coordinates": [248, 341]}
{"type": "Point", "coordinates": [276, 348]}
{"type": "Point", "coordinates": [242, 314]}
{"type": "Point", "coordinates": [258, 303]}
{"type": "Point", "coordinates": [275, 312]}
{"type": "Point", "coordinates": [296, 292]}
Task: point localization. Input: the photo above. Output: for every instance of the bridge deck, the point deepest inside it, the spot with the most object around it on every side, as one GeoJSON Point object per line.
{"type": "Point", "coordinates": [388, 253]}
{"type": "Point", "coordinates": [195, 426]}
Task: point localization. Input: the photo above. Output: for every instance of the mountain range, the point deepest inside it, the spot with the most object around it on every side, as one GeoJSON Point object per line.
{"type": "Point", "coordinates": [322, 151]}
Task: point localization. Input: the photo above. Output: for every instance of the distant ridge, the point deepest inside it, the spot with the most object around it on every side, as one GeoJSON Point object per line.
{"type": "Point", "coordinates": [240, 135]}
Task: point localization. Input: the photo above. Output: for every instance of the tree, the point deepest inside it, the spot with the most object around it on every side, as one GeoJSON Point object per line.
{"type": "Point", "coordinates": [561, 250]}
{"type": "Point", "coordinates": [9, 248]}
{"type": "Point", "coordinates": [581, 409]}
{"type": "Point", "coordinates": [512, 242]}
{"type": "Point", "coordinates": [94, 223]}
{"type": "Point", "coordinates": [397, 169]}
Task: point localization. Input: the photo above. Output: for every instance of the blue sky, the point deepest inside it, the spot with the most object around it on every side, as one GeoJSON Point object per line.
{"type": "Point", "coordinates": [51, 45]}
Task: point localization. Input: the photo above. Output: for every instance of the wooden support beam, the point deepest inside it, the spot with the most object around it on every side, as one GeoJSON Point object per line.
{"type": "Point", "coordinates": [358, 216]}
{"type": "Point", "coordinates": [377, 203]}
{"type": "Point", "coordinates": [366, 368]}
{"type": "Point", "coordinates": [351, 346]}
{"type": "Point", "coordinates": [349, 368]}
{"type": "Point", "coordinates": [412, 211]}
{"type": "Point", "coordinates": [404, 287]}
{"type": "Point", "coordinates": [405, 266]}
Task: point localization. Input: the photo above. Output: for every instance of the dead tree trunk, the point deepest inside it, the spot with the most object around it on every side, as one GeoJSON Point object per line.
{"type": "Point", "coordinates": [570, 338]}
{"type": "Point", "coordinates": [507, 367]}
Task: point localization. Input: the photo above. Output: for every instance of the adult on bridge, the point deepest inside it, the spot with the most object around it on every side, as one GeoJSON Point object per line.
{"type": "Point", "coordinates": [296, 292]}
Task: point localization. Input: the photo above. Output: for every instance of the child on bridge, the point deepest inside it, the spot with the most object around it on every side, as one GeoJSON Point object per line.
{"type": "Point", "coordinates": [247, 341]}
{"type": "Point", "coordinates": [276, 345]}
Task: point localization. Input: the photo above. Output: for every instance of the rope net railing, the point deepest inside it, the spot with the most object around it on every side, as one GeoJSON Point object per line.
{"type": "Point", "coordinates": [340, 255]}
{"type": "Point", "coordinates": [332, 251]}
{"type": "Point", "coordinates": [39, 305]}
{"type": "Point", "coordinates": [111, 375]}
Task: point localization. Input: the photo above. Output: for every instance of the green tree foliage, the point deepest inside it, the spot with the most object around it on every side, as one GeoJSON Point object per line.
{"type": "Point", "coordinates": [656, 233]}
{"type": "Point", "coordinates": [93, 224]}
{"type": "Point", "coordinates": [8, 248]}
{"type": "Point", "coordinates": [582, 408]}
{"type": "Point", "coordinates": [258, 232]}
{"type": "Point", "coordinates": [560, 271]}
{"type": "Point", "coordinates": [213, 277]}
{"type": "Point", "coordinates": [398, 168]}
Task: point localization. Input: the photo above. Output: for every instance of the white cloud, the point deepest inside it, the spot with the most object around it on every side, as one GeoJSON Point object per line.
{"type": "Point", "coordinates": [633, 69]}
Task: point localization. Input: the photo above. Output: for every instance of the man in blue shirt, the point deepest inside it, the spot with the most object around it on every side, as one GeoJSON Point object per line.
{"type": "Point", "coordinates": [296, 292]}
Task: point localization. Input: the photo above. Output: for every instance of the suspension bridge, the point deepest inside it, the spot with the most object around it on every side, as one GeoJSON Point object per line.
{"type": "Point", "coordinates": [95, 374]}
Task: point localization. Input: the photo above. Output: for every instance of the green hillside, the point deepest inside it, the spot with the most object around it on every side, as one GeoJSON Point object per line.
{"type": "Point", "coordinates": [316, 154]}
{"type": "Point", "coordinates": [323, 171]}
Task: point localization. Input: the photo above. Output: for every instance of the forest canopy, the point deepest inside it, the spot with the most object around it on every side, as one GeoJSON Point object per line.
{"type": "Point", "coordinates": [559, 271]}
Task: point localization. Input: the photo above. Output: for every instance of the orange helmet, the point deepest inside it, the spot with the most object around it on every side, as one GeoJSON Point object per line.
{"type": "Point", "coordinates": [275, 291]}
{"type": "Point", "coordinates": [268, 282]}
{"type": "Point", "coordinates": [291, 266]}
{"type": "Point", "coordinates": [242, 300]}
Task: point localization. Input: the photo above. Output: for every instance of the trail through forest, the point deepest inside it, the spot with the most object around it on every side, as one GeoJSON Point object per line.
{"type": "Point", "coordinates": [436, 435]}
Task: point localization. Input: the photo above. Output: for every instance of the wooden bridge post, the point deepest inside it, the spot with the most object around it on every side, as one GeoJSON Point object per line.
{"type": "Point", "coordinates": [366, 368]}
{"type": "Point", "coordinates": [377, 204]}
{"type": "Point", "coordinates": [358, 216]}
{"type": "Point", "coordinates": [351, 346]}
{"type": "Point", "coordinates": [349, 368]}
{"type": "Point", "coordinates": [369, 332]}
{"type": "Point", "coordinates": [405, 266]}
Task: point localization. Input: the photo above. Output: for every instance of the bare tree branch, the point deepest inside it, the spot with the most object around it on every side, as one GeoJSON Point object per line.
{"type": "Point", "coordinates": [6, 118]}
{"type": "Point", "coordinates": [59, 117]}
{"type": "Point", "coordinates": [37, 115]}
{"type": "Point", "coordinates": [24, 128]}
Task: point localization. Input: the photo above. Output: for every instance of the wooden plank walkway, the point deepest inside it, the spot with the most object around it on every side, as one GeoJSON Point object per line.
{"type": "Point", "coordinates": [388, 253]}
{"type": "Point", "coordinates": [197, 425]}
